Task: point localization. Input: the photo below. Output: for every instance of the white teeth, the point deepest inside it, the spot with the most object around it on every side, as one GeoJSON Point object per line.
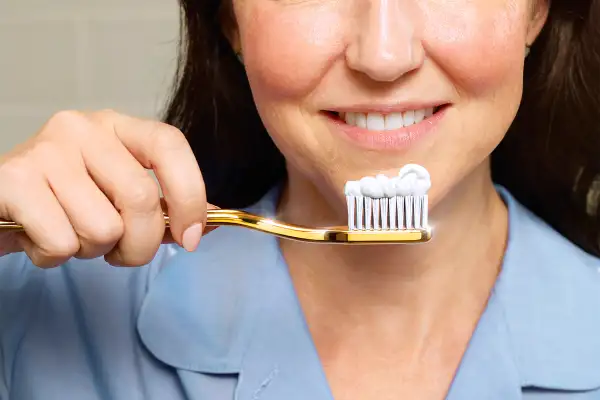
{"type": "Point", "coordinates": [419, 116]}
{"type": "Point", "coordinates": [386, 122]}
{"type": "Point", "coordinates": [409, 118]}
{"type": "Point", "coordinates": [350, 118]}
{"type": "Point", "coordinates": [375, 122]}
{"type": "Point", "coordinates": [361, 120]}
{"type": "Point", "coordinates": [394, 121]}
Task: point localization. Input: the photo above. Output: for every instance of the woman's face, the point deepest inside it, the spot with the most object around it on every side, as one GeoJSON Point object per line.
{"type": "Point", "coordinates": [346, 88]}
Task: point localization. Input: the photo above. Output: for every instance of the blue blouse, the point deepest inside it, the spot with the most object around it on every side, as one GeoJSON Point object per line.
{"type": "Point", "coordinates": [224, 322]}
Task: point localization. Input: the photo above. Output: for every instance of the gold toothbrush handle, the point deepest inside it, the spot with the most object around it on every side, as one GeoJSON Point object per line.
{"type": "Point", "coordinates": [295, 232]}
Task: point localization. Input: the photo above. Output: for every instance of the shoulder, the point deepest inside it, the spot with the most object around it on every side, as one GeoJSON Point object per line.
{"type": "Point", "coordinates": [533, 242]}
{"type": "Point", "coordinates": [544, 274]}
{"type": "Point", "coordinates": [550, 270]}
{"type": "Point", "coordinates": [550, 290]}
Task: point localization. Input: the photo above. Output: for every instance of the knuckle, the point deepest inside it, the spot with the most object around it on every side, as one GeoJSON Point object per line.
{"type": "Point", "coordinates": [142, 258]}
{"type": "Point", "coordinates": [46, 151]}
{"type": "Point", "coordinates": [107, 232]}
{"type": "Point", "coordinates": [64, 122]}
{"type": "Point", "coordinates": [166, 137]}
{"type": "Point", "coordinates": [142, 196]}
{"type": "Point", "coordinates": [62, 249]}
{"type": "Point", "coordinates": [41, 261]}
{"type": "Point", "coordinates": [116, 259]}
{"type": "Point", "coordinates": [54, 254]}
{"type": "Point", "coordinates": [45, 262]}
{"type": "Point", "coordinates": [104, 117]}
{"type": "Point", "coordinates": [16, 171]}
{"type": "Point", "coordinates": [68, 126]}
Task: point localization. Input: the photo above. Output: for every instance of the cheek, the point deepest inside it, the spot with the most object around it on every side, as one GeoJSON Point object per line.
{"type": "Point", "coordinates": [289, 47]}
{"type": "Point", "coordinates": [478, 43]}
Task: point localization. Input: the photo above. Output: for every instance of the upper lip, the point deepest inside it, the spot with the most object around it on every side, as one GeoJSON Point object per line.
{"type": "Point", "coordinates": [386, 108]}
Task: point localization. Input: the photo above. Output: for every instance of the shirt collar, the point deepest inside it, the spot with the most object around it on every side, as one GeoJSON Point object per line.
{"type": "Point", "coordinates": [230, 306]}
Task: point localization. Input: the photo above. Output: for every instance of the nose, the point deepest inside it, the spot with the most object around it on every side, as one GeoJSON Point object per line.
{"type": "Point", "coordinates": [385, 45]}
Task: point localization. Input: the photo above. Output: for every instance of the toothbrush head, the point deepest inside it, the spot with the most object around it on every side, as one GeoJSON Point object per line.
{"type": "Point", "coordinates": [393, 207]}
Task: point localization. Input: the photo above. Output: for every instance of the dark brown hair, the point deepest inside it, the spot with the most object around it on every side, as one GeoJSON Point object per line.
{"type": "Point", "coordinates": [549, 160]}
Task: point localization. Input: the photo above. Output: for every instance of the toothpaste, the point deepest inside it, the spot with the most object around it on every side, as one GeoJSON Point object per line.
{"type": "Point", "coordinates": [412, 180]}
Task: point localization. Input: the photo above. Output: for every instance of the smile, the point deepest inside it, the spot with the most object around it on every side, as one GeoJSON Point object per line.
{"type": "Point", "coordinates": [386, 129]}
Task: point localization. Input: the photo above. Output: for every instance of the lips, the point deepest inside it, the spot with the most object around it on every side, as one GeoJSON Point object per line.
{"type": "Point", "coordinates": [386, 127]}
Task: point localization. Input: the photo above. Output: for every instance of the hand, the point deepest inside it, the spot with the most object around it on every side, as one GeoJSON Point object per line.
{"type": "Point", "coordinates": [81, 188]}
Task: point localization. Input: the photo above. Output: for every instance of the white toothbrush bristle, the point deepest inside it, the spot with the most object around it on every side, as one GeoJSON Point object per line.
{"type": "Point", "coordinates": [400, 208]}
{"type": "Point", "coordinates": [396, 213]}
{"type": "Point", "coordinates": [368, 213]}
{"type": "Point", "coordinates": [425, 212]}
{"type": "Point", "coordinates": [392, 212]}
{"type": "Point", "coordinates": [409, 212]}
{"type": "Point", "coordinates": [376, 213]}
{"type": "Point", "coordinates": [383, 204]}
{"type": "Point", "coordinates": [384, 214]}
{"type": "Point", "coordinates": [417, 212]}
{"type": "Point", "coordinates": [360, 212]}
{"type": "Point", "coordinates": [351, 201]}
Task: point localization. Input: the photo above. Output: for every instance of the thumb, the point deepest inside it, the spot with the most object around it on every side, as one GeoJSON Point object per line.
{"type": "Point", "coordinates": [168, 238]}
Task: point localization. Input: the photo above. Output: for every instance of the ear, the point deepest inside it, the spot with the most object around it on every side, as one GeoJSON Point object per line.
{"type": "Point", "coordinates": [539, 15]}
{"type": "Point", "coordinates": [229, 25]}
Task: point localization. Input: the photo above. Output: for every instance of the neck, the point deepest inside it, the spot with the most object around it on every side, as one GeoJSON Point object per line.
{"type": "Point", "coordinates": [458, 267]}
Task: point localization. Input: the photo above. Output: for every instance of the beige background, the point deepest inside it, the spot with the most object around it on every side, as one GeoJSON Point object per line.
{"type": "Point", "coordinates": [82, 54]}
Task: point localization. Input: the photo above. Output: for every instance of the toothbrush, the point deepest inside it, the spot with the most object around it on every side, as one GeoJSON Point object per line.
{"type": "Point", "coordinates": [381, 210]}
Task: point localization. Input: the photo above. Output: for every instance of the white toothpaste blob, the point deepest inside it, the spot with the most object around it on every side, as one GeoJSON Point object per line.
{"type": "Point", "coordinates": [419, 178]}
{"type": "Point", "coordinates": [421, 187]}
{"type": "Point", "coordinates": [404, 185]}
{"type": "Point", "coordinates": [371, 187]}
{"type": "Point", "coordinates": [388, 185]}
{"type": "Point", "coordinates": [352, 188]}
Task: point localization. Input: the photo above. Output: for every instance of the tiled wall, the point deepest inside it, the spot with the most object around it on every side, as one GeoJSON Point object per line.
{"type": "Point", "coordinates": [82, 54]}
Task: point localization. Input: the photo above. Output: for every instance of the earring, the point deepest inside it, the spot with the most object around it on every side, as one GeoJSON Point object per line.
{"type": "Point", "coordinates": [239, 56]}
{"type": "Point", "coordinates": [527, 51]}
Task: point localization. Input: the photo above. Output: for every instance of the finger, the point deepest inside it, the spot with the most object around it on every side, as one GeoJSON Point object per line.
{"type": "Point", "coordinates": [134, 194]}
{"type": "Point", "coordinates": [50, 239]}
{"type": "Point", "coordinates": [96, 222]}
{"type": "Point", "coordinates": [164, 149]}
{"type": "Point", "coordinates": [168, 238]}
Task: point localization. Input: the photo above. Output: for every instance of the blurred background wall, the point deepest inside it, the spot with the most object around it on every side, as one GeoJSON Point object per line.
{"type": "Point", "coordinates": [82, 54]}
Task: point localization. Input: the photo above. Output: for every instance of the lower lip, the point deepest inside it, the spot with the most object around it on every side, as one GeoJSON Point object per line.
{"type": "Point", "coordinates": [397, 139]}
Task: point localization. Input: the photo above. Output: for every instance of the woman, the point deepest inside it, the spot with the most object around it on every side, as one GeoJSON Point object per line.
{"type": "Point", "coordinates": [498, 306]}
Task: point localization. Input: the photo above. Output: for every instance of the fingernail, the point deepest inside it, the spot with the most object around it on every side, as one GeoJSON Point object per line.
{"type": "Point", "coordinates": [191, 237]}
